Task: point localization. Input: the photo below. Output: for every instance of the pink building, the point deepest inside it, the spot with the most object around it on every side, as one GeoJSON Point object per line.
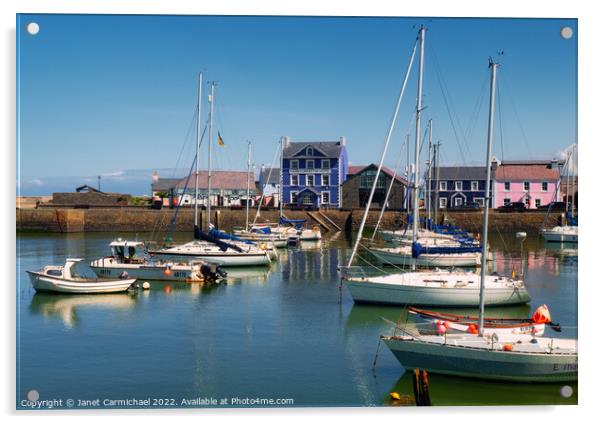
{"type": "Point", "coordinates": [531, 182]}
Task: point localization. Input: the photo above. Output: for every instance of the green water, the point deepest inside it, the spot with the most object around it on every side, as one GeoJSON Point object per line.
{"type": "Point", "coordinates": [269, 333]}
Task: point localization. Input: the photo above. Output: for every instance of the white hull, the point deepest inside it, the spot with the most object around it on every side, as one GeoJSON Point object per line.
{"type": "Point", "coordinates": [436, 289]}
{"type": "Point", "coordinates": [561, 234]}
{"type": "Point", "coordinates": [107, 268]}
{"type": "Point", "coordinates": [210, 253]}
{"type": "Point", "coordinates": [46, 283]}
{"type": "Point", "coordinates": [403, 256]}
{"type": "Point", "coordinates": [478, 357]}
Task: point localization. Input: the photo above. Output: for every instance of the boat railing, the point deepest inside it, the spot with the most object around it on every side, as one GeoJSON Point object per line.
{"type": "Point", "coordinates": [360, 272]}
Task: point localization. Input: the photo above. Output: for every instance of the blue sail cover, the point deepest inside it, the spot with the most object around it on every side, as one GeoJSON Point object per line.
{"type": "Point", "coordinates": [225, 236]}
{"type": "Point", "coordinates": [418, 249]}
{"type": "Point", "coordinates": [571, 220]}
{"type": "Point", "coordinates": [297, 223]}
{"type": "Point", "coordinates": [222, 245]}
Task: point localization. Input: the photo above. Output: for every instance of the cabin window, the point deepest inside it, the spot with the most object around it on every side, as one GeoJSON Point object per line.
{"type": "Point", "coordinates": [458, 185]}
{"type": "Point", "coordinates": [309, 180]}
{"type": "Point", "coordinates": [506, 185]}
{"type": "Point", "coordinates": [474, 186]}
{"type": "Point", "coordinates": [325, 197]}
{"type": "Point", "coordinates": [325, 180]}
{"type": "Point", "coordinates": [443, 186]}
{"type": "Point", "coordinates": [294, 196]}
{"type": "Point", "coordinates": [507, 201]}
{"type": "Point", "coordinates": [295, 180]}
{"type": "Point", "coordinates": [442, 203]}
{"type": "Point", "coordinates": [55, 272]}
{"type": "Point", "coordinates": [309, 164]}
{"type": "Point", "coordinates": [526, 186]}
{"type": "Point", "coordinates": [544, 186]}
{"type": "Point", "coordinates": [325, 163]}
{"type": "Point", "coordinates": [294, 164]}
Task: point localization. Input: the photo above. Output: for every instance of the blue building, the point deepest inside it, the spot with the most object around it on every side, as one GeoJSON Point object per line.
{"type": "Point", "coordinates": [312, 173]}
{"type": "Point", "coordinates": [460, 186]}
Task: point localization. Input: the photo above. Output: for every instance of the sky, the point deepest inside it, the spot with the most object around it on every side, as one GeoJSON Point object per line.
{"type": "Point", "coordinates": [116, 95]}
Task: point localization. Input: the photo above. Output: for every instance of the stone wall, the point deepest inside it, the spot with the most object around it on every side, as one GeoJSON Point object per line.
{"type": "Point", "coordinates": [91, 198]}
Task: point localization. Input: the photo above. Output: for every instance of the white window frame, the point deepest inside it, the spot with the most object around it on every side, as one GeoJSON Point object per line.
{"type": "Point", "coordinates": [480, 201]}
{"type": "Point", "coordinates": [509, 186]}
{"type": "Point", "coordinates": [547, 185]}
{"type": "Point", "coordinates": [442, 202]}
{"type": "Point", "coordinates": [507, 201]}
{"type": "Point", "coordinates": [442, 185]}
{"type": "Point", "coordinates": [294, 163]}
{"type": "Point", "coordinates": [307, 162]}
{"type": "Point", "coordinates": [294, 194]}
{"type": "Point", "coordinates": [528, 189]}
{"type": "Point", "coordinates": [325, 177]}
{"type": "Point", "coordinates": [326, 162]}
{"type": "Point", "coordinates": [313, 180]}
{"type": "Point", "coordinates": [295, 180]}
{"type": "Point", "coordinates": [456, 186]}
{"type": "Point", "coordinates": [473, 184]}
{"type": "Point", "coordinates": [309, 151]}
{"type": "Point", "coordinates": [322, 197]}
{"type": "Point", "coordinates": [305, 200]}
{"type": "Point", "coordinates": [460, 203]}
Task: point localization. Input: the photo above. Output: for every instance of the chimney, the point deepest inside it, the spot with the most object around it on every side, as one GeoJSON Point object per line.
{"type": "Point", "coordinates": [343, 141]}
{"type": "Point", "coordinates": [287, 141]}
{"type": "Point", "coordinates": [554, 164]}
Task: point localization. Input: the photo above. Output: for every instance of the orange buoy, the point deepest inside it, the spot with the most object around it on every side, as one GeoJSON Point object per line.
{"type": "Point", "coordinates": [441, 329]}
{"type": "Point", "coordinates": [167, 272]}
{"type": "Point", "coordinates": [508, 347]}
{"type": "Point", "coordinates": [473, 328]}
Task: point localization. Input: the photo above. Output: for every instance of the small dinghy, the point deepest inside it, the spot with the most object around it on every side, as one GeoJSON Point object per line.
{"type": "Point", "coordinates": [64, 279]}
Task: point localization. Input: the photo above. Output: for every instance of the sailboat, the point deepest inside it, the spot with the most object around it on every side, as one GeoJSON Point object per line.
{"type": "Point", "coordinates": [428, 288]}
{"type": "Point", "coordinates": [205, 246]}
{"type": "Point", "coordinates": [516, 357]}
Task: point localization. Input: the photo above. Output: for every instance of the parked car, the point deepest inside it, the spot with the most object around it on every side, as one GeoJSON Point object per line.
{"type": "Point", "coordinates": [554, 206]}
{"type": "Point", "coordinates": [513, 207]}
{"type": "Point", "coordinates": [472, 206]}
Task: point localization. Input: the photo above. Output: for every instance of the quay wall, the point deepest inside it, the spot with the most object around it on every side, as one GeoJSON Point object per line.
{"type": "Point", "coordinates": [140, 219]}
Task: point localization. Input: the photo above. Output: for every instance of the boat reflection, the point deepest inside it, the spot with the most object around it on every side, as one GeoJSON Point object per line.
{"type": "Point", "coordinates": [245, 274]}
{"type": "Point", "coordinates": [456, 391]}
{"type": "Point", "coordinates": [66, 306]}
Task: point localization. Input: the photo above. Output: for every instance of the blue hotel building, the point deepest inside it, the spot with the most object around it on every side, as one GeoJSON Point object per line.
{"type": "Point", "coordinates": [312, 172]}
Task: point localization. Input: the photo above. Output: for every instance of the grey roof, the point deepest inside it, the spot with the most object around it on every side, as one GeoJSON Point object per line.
{"type": "Point", "coordinates": [165, 184]}
{"type": "Point", "coordinates": [274, 176]}
{"type": "Point", "coordinates": [332, 149]}
{"type": "Point", "coordinates": [461, 173]}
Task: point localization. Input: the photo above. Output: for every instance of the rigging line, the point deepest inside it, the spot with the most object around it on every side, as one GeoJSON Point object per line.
{"type": "Point", "coordinates": [472, 123]}
{"type": "Point", "coordinates": [186, 139]}
{"type": "Point", "coordinates": [499, 112]}
{"type": "Point", "coordinates": [518, 121]}
{"type": "Point", "coordinates": [276, 154]}
{"type": "Point", "coordinates": [448, 104]}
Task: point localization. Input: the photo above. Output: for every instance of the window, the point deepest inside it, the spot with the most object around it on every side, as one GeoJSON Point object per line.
{"type": "Point", "coordinates": [294, 196]}
{"type": "Point", "coordinates": [507, 201]}
{"type": "Point", "coordinates": [294, 164]}
{"type": "Point", "coordinates": [458, 185]}
{"type": "Point", "coordinates": [367, 180]}
{"type": "Point", "coordinates": [325, 197]}
{"type": "Point", "coordinates": [307, 200]}
{"type": "Point", "coordinates": [458, 201]}
{"type": "Point", "coordinates": [310, 151]}
{"type": "Point", "coordinates": [526, 186]}
{"type": "Point", "coordinates": [480, 201]}
{"type": "Point", "coordinates": [443, 186]}
{"type": "Point", "coordinates": [325, 163]}
{"type": "Point", "coordinates": [309, 164]}
{"type": "Point", "coordinates": [544, 186]}
{"type": "Point", "coordinates": [325, 180]}
{"type": "Point", "coordinates": [295, 180]}
{"type": "Point", "coordinates": [537, 203]}
{"type": "Point", "coordinates": [442, 203]}
{"type": "Point", "coordinates": [474, 186]}
{"type": "Point", "coordinates": [309, 180]}
{"type": "Point", "coordinates": [506, 185]}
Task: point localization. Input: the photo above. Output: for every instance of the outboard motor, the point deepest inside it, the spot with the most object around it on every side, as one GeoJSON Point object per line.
{"type": "Point", "coordinates": [212, 272]}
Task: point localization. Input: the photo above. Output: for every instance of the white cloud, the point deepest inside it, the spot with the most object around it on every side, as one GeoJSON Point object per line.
{"type": "Point", "coordinates": [573, 160]}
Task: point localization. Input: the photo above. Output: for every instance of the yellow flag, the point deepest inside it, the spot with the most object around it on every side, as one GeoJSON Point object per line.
{"type": "Point", "coordinates": [220, 140]}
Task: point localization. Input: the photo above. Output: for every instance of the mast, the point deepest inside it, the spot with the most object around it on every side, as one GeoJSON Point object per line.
{"type": "Point", "coordinates": [281, 189]}
{"type": "Point", "coordinates": [211, 101]}
{"type": "Point", "coordinates": [573, 185]}
{"type": "Point", "coordinates": [248, 184]}
{"type": "Point", "coordinates": [417, 144]}
{"type": "Point", "coordinates": [436, 155]}
{"type": "Point", "coordinates": [493, 67]}
{"type": "Point", "coordinates": [429, 164]}
{"type": "Point", "coordinates": [196, 165]}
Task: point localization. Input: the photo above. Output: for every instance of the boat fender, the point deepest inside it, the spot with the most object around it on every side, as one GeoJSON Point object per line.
{"type": "Point", "coordinates": [124, 275]}
{"type": "Point", "coordinates": [508, 347]}
{"type": "Point", "coordinates": [473, 329]}
{"type": "Point", "coordinates": [146, 285]}
{"type": "Point", "coordinates": [441, 328]}
{"type": "Point", "coordinates": [167, 271]}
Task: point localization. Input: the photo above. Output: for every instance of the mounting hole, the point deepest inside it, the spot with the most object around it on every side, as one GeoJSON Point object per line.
{"type": "Point", "coordinates": [566, 33]}
{"type": "Point", "coordinates": [566, 391]}
{"type": "Point", "coordinates": [33, 28]}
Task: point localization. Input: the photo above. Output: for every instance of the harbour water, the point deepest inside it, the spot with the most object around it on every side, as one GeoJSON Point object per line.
{"type": "Point", "coordinates": [277, 333]}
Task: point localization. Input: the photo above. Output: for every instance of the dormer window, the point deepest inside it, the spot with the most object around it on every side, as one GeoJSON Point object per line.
{"type": "Point", "coordinates": [310, 151]}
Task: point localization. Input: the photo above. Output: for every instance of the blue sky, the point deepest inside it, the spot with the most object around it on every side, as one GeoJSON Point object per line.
{"type": "Point", "coordinates": [105, 95]}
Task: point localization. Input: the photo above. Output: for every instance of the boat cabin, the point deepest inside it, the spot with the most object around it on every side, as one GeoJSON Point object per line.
{"type": "Point", "coordinates": [127, 251]}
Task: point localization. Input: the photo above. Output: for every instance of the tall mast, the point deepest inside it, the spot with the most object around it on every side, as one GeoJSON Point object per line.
{"type": "Point", "coordinates": [436, 155]}
{"type": "Point", "coordinates": [211, 101]}
{"type": "Point", "coordinates": [281, 189]}
{"type": "Point", "coordinates": [417, 144]}
{"type": "Point", "coordinates": [573, 157]}
{"type": "Point", "coordinates": [429, 164]}
{"type": "Point", "coordinates": [196, 165]}
{"type": "Point", "coordinates": [493, 67]}
{"type": "Point", "coordinates": [248, 184]}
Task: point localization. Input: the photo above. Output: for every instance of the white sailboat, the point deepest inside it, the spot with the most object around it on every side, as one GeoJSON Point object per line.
{"type": "Point", "coordinates": [431, 288]}
{"type": "Point", "coordinates": [518, 357]}
{"type": "Point", "coordinates": [232, 253]}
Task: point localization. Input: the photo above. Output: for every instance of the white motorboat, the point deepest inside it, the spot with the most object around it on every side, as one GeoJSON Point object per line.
{"type": "Point", "coordinates": [559, 234]}
{"type": "Point", "coordinates": [126, 259]}
{"type": "Point", "coordinates": [64, 279]}
{"type": "Point", "coordinates": [435, 288]}
{"type": "Point", "coordinates": [262, 234]}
